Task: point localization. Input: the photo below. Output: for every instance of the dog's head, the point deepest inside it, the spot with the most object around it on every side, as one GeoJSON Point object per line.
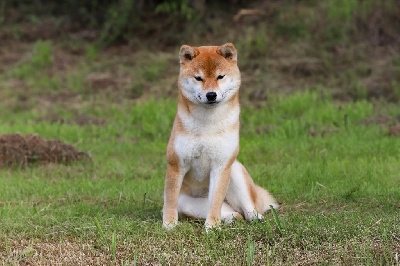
{"type": "Point", "coordinates": [209, 75]}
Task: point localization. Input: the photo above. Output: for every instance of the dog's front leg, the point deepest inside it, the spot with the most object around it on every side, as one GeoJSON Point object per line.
{"type": "Point", "coordinates": [219, 180]}
{"type": "Point", "coordinates": [173, 184]}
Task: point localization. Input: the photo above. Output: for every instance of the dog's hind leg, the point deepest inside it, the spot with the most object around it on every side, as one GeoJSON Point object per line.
{"type": "Point", "coordinates": [197, 208]}
{"type": "Point", "coordinates": [244, 196]}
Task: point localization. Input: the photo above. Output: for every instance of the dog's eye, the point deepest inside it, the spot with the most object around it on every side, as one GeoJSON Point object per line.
{"type": "Point", "coordinates": [198, 78]}
{"type": "Point", "coordinates": [220, 76]}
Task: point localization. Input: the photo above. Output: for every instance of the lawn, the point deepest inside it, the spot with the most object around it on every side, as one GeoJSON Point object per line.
{"type": "Point", "coordinates": [336, 177]}
{"type": "Point", "coordinates": [320, 129]}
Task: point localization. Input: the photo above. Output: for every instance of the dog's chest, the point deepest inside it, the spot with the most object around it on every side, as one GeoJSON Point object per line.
{"type": "Point", "coordinates": [200, 163]}
{"type": "Point", "coordinates": [200, 154]}
{"type": "Point", "coordinates": [208, 141]}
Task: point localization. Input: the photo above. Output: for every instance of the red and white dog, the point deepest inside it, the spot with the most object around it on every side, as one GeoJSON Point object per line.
{"type": "Point", "coordinates": [204, 180]}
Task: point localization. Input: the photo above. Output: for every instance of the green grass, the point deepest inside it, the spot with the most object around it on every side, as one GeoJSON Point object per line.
{"type": "Point", "coordinates": [337, 179]}
{"type": "Point", "coordinates": [40, 58]}
{"type": "Point", "coordinates": [339, 192]}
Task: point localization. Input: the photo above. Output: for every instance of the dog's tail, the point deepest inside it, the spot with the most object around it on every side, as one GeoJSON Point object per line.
{"type": "Point", "coordinates": [264, 200]}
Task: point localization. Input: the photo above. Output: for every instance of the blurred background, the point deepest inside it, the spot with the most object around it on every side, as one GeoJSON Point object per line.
{"type": "Point", "coordinates": [63, 51]}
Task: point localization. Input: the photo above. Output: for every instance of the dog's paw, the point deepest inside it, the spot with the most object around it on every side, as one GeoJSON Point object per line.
{"type": "Point", "coordinates": [254, 216]}
{"type": "Point", "coordinates": [233, 217]}
{"type": "Point", "coordinates": [169, 226]}
{"type": "Point", "coordinates": [211, 228]}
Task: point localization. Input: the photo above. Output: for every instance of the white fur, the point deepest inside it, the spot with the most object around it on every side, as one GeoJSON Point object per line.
{"type": "Point", "coordinates": [238, 195]}
{"type": "Point", "coordinates": [204, 153]}
{"type": "Point", "coordinates": [193, 89]}
{"type": "Point", "coordinates": [198, 207]}
{"type": "Point", "coordinates": [219, 148]}
{"type": "Point", "coordinates": [207, 121]}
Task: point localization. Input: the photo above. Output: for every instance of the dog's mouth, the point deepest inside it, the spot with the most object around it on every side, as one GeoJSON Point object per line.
{"type": "Point", "coordinates": [212, 102]}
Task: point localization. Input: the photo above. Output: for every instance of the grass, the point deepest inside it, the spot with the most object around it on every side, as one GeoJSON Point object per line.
{"type": "Point", "coordinates": [309, 71]}
{"type": "Point", "coordinates": [40, 58]}
{"type": "Point", "coordinates": [339, 192]}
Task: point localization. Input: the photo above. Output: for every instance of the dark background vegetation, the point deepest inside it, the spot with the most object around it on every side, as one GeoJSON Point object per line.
{"type": "Point", "coordinates": [349, 47]}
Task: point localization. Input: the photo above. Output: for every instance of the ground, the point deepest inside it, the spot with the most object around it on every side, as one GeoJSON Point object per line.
{"type": "Point", "coordinates": [319, 130]}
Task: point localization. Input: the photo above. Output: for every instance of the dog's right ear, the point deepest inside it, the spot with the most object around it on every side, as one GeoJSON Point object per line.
{"type": "Point", "coordinates": [187, 53]}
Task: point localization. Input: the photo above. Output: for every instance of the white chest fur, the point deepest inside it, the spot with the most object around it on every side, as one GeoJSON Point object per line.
{"type": "Point", "coordinates": [209, 141]}
{"type": "Point", "coordinates": [209, 121]}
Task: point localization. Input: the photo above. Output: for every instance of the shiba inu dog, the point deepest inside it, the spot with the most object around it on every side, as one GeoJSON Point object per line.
{"type": "Point", "coordinates": [204, 180]}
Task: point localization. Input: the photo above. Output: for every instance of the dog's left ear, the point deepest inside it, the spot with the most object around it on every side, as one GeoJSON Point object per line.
{"type": "Point", "coordinates": [228, 51]}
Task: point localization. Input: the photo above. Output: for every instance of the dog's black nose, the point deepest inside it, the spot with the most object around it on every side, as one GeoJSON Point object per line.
{"type": "Point", "coordinates": [211, 96]}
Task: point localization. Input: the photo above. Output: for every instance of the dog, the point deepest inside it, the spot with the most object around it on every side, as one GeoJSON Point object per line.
{"type": "Point", "coordinates": [204, 180]}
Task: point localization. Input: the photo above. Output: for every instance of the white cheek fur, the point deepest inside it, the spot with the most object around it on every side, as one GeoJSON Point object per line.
{"type": "Point", "coordinates": [229, 88]}
{"type": "Point", "coordinates": [191, 89]}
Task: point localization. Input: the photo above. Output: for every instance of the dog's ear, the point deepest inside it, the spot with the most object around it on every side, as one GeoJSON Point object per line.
{"type": "Point", "coordinates": [228, 51]}
{"type": "Point", "coordinates": [187, 53]}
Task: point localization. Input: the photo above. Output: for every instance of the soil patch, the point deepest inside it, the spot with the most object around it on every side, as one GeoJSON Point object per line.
{"type": "Point", "coordinates": [263, 129]}
{"type": "Point", "coordinates": [18, 150]}
{"type": "Point", "coordinates": [81, 120]}
{"type": "Point", "coordinates": [380, 120]}
{"type": "Point", "coordinates": [323, 133]}
{"type": "Point", "coordinates": [52, 118]}
{"type": "Point", "coordinates": [394, 130]}
{"type": "Point", "coordinates": [101, 81]}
